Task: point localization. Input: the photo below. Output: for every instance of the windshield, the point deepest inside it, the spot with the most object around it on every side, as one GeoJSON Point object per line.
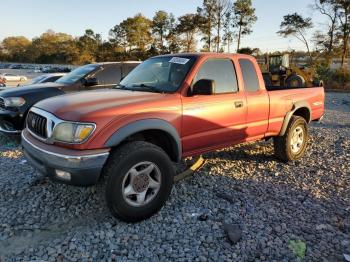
{"type": "Point", "coordinates": [275, 60]}
{"type": "Point", "coordinates": [159, 74]}
{"type": "Point", "coordinates": [36, 80]}
{"type": "Point", "coordinates": [76, 74]}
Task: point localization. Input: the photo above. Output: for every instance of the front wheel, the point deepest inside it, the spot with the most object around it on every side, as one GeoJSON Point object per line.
{"type": "Point", "coordinates": [292, 145]}
{"type": "Point", "coordinates": [139, 180]}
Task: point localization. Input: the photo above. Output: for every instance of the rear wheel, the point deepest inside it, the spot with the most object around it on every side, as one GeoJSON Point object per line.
{"type": "Point", "coordinates": [139, 180]}
{"type": "Point", "coordinates": [292, 145]}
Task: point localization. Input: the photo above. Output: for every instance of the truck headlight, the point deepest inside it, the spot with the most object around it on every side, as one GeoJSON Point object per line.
{"type": "Point", "coordinates": [70, 132]}
{"type": "Point", "coordinates": [14, 101]}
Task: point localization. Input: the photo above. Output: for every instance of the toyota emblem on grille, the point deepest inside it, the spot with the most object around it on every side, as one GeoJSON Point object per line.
{"type": "Point", "coordinates": [33, 123]}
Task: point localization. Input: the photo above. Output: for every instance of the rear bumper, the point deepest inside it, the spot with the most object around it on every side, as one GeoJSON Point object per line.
{"type": "Point", "coordinates": [11, 122]}
{"type": "Point", "coordinates": [81, 168]}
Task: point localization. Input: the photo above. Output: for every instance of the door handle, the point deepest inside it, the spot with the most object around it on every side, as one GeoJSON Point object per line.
{"type": "Point", "coordinates": [238, 104]}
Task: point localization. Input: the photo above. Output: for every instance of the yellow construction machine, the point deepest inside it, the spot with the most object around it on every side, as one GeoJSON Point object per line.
{"type": "Point", "coordinates": [278, 71]}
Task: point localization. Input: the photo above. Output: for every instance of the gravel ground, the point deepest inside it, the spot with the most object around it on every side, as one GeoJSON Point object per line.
{"type": "Point", "coordinates": [273, 204]}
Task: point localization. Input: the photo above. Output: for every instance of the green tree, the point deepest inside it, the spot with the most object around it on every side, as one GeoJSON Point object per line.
{"type": "Point", "coordinates": [117, 36]}
{"type": "Point", "coordinates": [15, 48]}
{"type": "Point", "coordinates": [249, 51]}
{"type": "Point", "coordinates": [296, 25]}
{"type": "Point", "coordinates": [244, 18]}
{"type": "Point", "coordinates": [221, 9]}
{"type": "Point", "coordinates": [53, 47]}
{"type": "Point", "coordinates": [172, 37]}
{"type": "Point", "coordinates": [188, 28]}
{"type": "Point", "coordinates": [228, 31]}
{"type": "Point", "coordinates": [330, 9]}
{"type": "Point", "coordinates": [138, 32]}
{"type": "Point", "coordinates": [2, 54]}
{"type": "Point", "coordinates": [321, 42]}
{"type": "Point", "coordinates": [88, 45]}
{"type": "Point", "coordinates": [344, 19]}
{"type": "Point", "coordinates": [160, 28]}
{"type": "Point", "coordinates": [206, 21]}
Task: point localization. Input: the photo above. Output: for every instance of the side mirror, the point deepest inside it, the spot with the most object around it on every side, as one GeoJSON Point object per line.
{"type": "Point", "coordinates": [204, 87]}
{"type": "Point", "coordinates": [90, 81]}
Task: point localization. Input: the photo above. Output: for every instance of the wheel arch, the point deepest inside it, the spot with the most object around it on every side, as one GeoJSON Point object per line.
{"type": "Point", "coordinates": [156, 131]}
{"type": "Point", "coordinates": [300, 108]}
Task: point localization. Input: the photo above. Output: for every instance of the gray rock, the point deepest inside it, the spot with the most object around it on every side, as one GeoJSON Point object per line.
{"type": "Point", "coordinates": [233, 232]}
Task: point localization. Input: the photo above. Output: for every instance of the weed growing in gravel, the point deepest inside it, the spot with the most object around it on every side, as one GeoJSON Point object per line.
{"type": "Point", "coordinates": [298, 247]}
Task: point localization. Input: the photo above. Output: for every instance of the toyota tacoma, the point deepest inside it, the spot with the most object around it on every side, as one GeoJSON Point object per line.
{"type": "Point", "coordinates": [169, 108]}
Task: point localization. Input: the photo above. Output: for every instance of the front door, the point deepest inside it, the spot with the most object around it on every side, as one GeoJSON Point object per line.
{"type": "Point", "coordinates": [211, 121]}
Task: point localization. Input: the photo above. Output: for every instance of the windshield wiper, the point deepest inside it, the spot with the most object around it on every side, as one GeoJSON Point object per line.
{"type": "Point", "coordinates": [148, 87]}
{"type": "Point", "coordinates": [123, 87]}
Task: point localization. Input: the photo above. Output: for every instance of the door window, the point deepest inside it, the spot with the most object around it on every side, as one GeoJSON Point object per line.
{"type": "Point", "coordinates": [109, 75]}
{"type": "Point", "coordinates": [223, 73]}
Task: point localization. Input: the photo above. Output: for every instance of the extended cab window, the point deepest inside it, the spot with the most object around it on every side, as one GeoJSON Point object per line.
{"type": "Point", "coordinates": [222, 72]}
{"type": "Point", "coordinates": [250, 77]}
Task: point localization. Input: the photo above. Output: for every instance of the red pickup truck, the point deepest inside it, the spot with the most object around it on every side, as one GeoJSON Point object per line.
{"type": "Point", "coordinates": [168, 108]}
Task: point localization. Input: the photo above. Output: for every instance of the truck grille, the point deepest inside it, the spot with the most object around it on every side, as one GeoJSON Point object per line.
{"type": "Point", "coordinates": [2, 103]}
{"type": "Point", "coordinates": [37, 124]}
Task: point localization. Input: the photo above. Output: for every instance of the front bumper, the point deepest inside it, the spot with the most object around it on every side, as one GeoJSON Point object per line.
{"type": "Point", "coordinates": [11, 122]}
{"type": "Point", "coordinates": [84, 167]}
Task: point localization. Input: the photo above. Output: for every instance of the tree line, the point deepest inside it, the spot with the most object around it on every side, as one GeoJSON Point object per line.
{"type": "Point", "coordinates": [212, 27]}
{"type": "Point", "coordinates": [215, 26]}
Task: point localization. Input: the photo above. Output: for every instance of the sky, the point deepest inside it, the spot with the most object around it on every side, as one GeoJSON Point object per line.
{"type": "Point", "coordinates": [31, 18]}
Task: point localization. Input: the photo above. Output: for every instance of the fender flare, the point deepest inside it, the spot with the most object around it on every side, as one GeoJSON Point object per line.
{"type": "Point", "coordinates": [296, 106]}
{"type": "Point", "coordinates": [147, 124]}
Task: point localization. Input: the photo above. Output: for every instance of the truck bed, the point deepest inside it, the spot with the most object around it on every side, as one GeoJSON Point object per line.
{"type": "Point", "coordinates": [282, 100]}
{"type": "Point", "coordinates": [276, 88]}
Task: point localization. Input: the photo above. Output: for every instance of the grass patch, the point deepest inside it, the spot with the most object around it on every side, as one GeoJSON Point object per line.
{"type": "Point", "coordinates": [298, 248]}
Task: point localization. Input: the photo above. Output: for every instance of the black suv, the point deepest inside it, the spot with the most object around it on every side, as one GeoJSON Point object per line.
{"type": "Point", "coordinates": [16, 102]}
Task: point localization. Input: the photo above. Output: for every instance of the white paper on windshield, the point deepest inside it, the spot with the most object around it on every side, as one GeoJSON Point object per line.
{"type": "Point", "coordinates": [179, 60]}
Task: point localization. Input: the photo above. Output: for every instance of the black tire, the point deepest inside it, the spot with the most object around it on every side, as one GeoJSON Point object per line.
{"type": "Point", "coordinates": [120, 162]}
{"type": "Point", "coordinates": [318, 83]}
{"type": "Point", "coordinates": [295, 81]}
{"type": "Point", "coordinates": [282, 144]}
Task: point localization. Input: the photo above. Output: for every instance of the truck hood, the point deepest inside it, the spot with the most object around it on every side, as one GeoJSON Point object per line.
{"type": "Point", "coordinates": [23, 91]}
{"type": "Point", "coordinates": [92, 105]}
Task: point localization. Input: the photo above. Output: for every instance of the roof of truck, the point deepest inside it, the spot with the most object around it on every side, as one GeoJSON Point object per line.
{"type": "Point", "coordinates": [201, 54]}
{"type": "Point", "coordinates": [120, 62]}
